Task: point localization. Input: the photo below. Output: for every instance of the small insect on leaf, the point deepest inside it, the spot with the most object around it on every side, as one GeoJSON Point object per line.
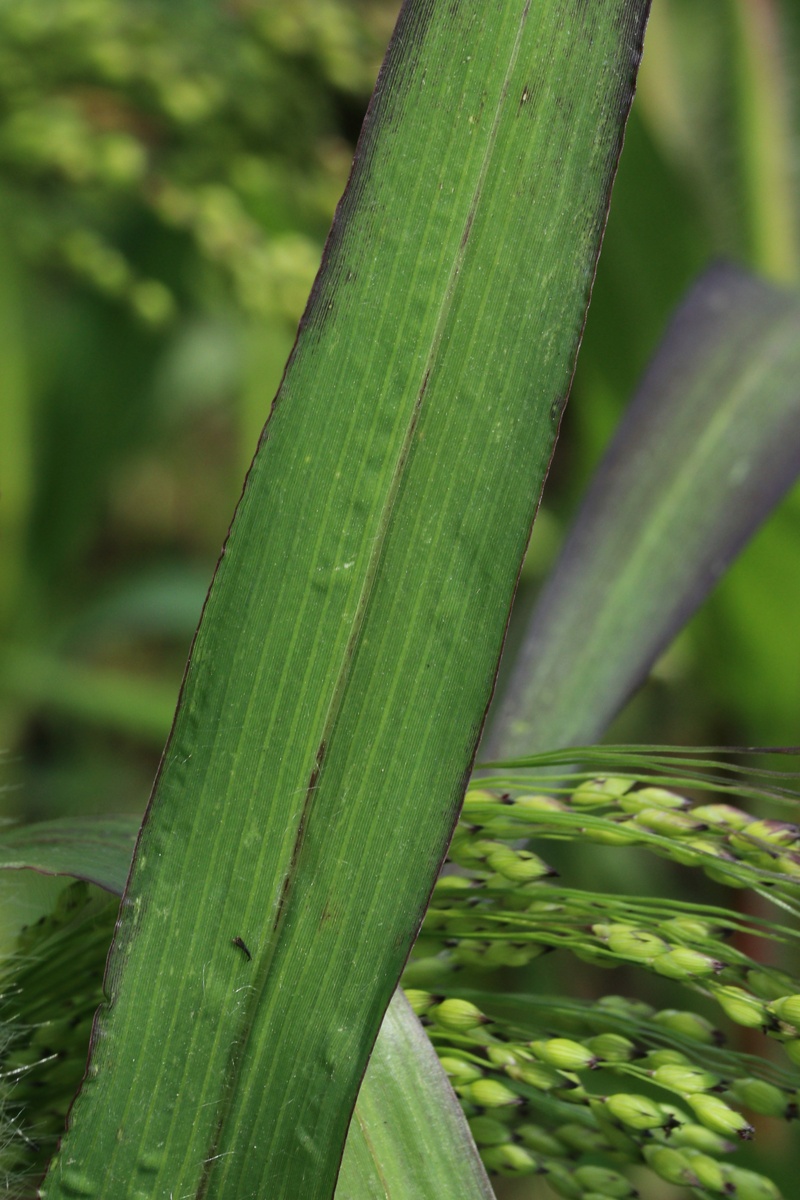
{"type": "Point", "coordinates": [237, 941]}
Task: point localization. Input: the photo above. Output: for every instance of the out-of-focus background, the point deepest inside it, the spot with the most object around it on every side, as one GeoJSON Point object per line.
{"type": "Point", "coordinates": [168, 171]}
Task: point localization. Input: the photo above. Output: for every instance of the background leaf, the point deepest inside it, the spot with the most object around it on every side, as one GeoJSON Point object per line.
{"type": "Point", "coordinates": [408, 1136]}
{"type": "Point", "coordinates": [709, 445]}
{"type": "Point", "coordinates": [97, 849]}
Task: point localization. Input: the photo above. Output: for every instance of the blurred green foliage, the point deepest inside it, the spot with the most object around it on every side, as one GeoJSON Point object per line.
{"type": "Point", "coordinates": [167, 176]}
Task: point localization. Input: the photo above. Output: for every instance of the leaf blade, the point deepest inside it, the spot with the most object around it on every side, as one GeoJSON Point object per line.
{"type": "Point", "coordinates": [97, 849]}
{"type": "Point", "coordinates": [408, 1136]}
{"type": "Point", "coordinates": [710, 443]}
{"type": "Point", "coordinates": [343, 655]}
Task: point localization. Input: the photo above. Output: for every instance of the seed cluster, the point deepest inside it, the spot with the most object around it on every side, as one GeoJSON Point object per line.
{"type": "Point", "coordinates": [52, 985]}
{"type": "Point", "coordinates": [548, 1082]}
{"type": "Point", "coordinates": [533, 1105]}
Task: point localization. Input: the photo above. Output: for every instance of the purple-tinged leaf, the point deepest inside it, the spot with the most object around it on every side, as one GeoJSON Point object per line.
{"type": "Point", "coordinates": [710, 444]}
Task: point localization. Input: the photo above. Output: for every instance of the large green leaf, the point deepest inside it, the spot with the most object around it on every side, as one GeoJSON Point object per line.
{"type": "Point", "coordinates": [709, 445]}
{"type": "Point", "coordinates": [338, 682]}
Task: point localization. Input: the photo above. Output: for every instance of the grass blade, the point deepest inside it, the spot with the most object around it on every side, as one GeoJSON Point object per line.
{"type": "Point", "coordinates": [340, 675]}
{"type": "Point", "coordinates": [408, 1136]}
{"type": "Point", "coordinates": [710, 444]}
{"type": "Point", "coordinates": [97, 849]}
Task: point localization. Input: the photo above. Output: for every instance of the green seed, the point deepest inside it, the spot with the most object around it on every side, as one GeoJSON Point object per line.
{"type": "Point", "coordinates": [452, 885]}
{"type": "Point", "coordinates": [538, 1139]}
{"type": "Point", "coordinates": [652, 797]}
{"type": "Point", "coordinates": [469, 851]}
{"type": "Point", "coordinates": [470, 954]}
{"type": "Point", "coordinates": [510, 1159]}
{"type": "Point", "coordinates": [518, 865]}
{"type": "Point", "coordinates": [427, 972]}
{"type": "Point", "coordinates": [564, 1054]}
{"type": "Point", "coordinates": [723, 875]}
{"type": "Point", "coordinates": [624, 833]}
{"type": "Point", "coordinates": [501, 1056]}
{"type": "Point", "coordinates": [707, 1170]}
{"type": "Point", "coordinates": [788, 864]}
{"type": "Point", "coordinates": [674, 1117]}
{"type": "Point", "coordinates": [748, 1185]}
{"type": "Point", "coordinates": [635, 944]}
{"type": "Point", "coordinates": [761, 1097]}
{"type": "Point", "coordinates": [490, 1093]}
{"type": "Point", "coordinates": [537, 1075]}
{"type": "Point", "coordinates": [670, 1165]}
{"type": "Point", "coordinates": [537, 804]}
{"type": "Point", "coordinates": [611, 1047]}
{"type": "Point", "coordinates": [419, 1001]}
{"type": "Point", "coordinates": [689, 1025]}
{"type": "Point", "coordinates": [480, 798]}
{"type": "Point", "coordinates": [770, 986]}
{"type": "Point", "coordinates": [775, 833]}
{"type": "Point", "coordinates": [636, 1111]}
{"type": "Point", "coordinates": [722, 815]}
{"type": "Point", "coordinates": [562, 1181]}
{"type": "Point", "coordinates": [458, 1015]}
{"type": "Point", "coordinates": [622, 1142]}
{"type": "Point", "coordinates": [668, 823]}
{"type": "Point", "coordinates": [717, 1115]}
{"type": "Point", "coordinates": [504, 954]}
{"type": "Point", "coordinates": [684, 963]}
{"type": "Point", "coordinates": [741, 1007]}
{"type": "Point", "coordinates": [506, 826]}
{"type": "Point", "coordinates": [596, 793]}
{"type": "Point", "coordinates": [623, 1006]}
{"type": "Point", "coordinates": [787, 1008]}
{"type": "Point", "coordinates": [699, 1137]}
{"type": "Point", "coordinates": [606, 1182]}
{"type": "Point", "coordinates": [581, 1138]}
{"type": "Point", "coordinates": [664, 1057]}
{"type": "Point", "coordinates": [459, 1071]}
{"type": "Point", "coordinates": [488, 1132]}
{"type": "Point", "coordinates": [685, 1080]}
{"type": "Point", "coordinates": [687, 928]}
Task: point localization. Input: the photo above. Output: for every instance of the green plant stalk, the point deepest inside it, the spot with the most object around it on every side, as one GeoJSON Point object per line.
{"type": "Point", "coordinates": [767, 142]}
{"type": "Point", "coordinates": [15, 438]}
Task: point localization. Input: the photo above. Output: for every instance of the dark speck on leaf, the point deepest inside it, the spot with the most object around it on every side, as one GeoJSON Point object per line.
{"type": "Point", "coordinates": [237, 941]}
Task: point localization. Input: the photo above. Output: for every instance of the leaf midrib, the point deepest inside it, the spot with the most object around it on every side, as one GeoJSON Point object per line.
{"type": "Point", "coordinates": [371, 572]}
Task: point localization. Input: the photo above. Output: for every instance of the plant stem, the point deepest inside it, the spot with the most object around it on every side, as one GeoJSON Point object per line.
{"type": "Point", "coordinates": [765, 139]}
